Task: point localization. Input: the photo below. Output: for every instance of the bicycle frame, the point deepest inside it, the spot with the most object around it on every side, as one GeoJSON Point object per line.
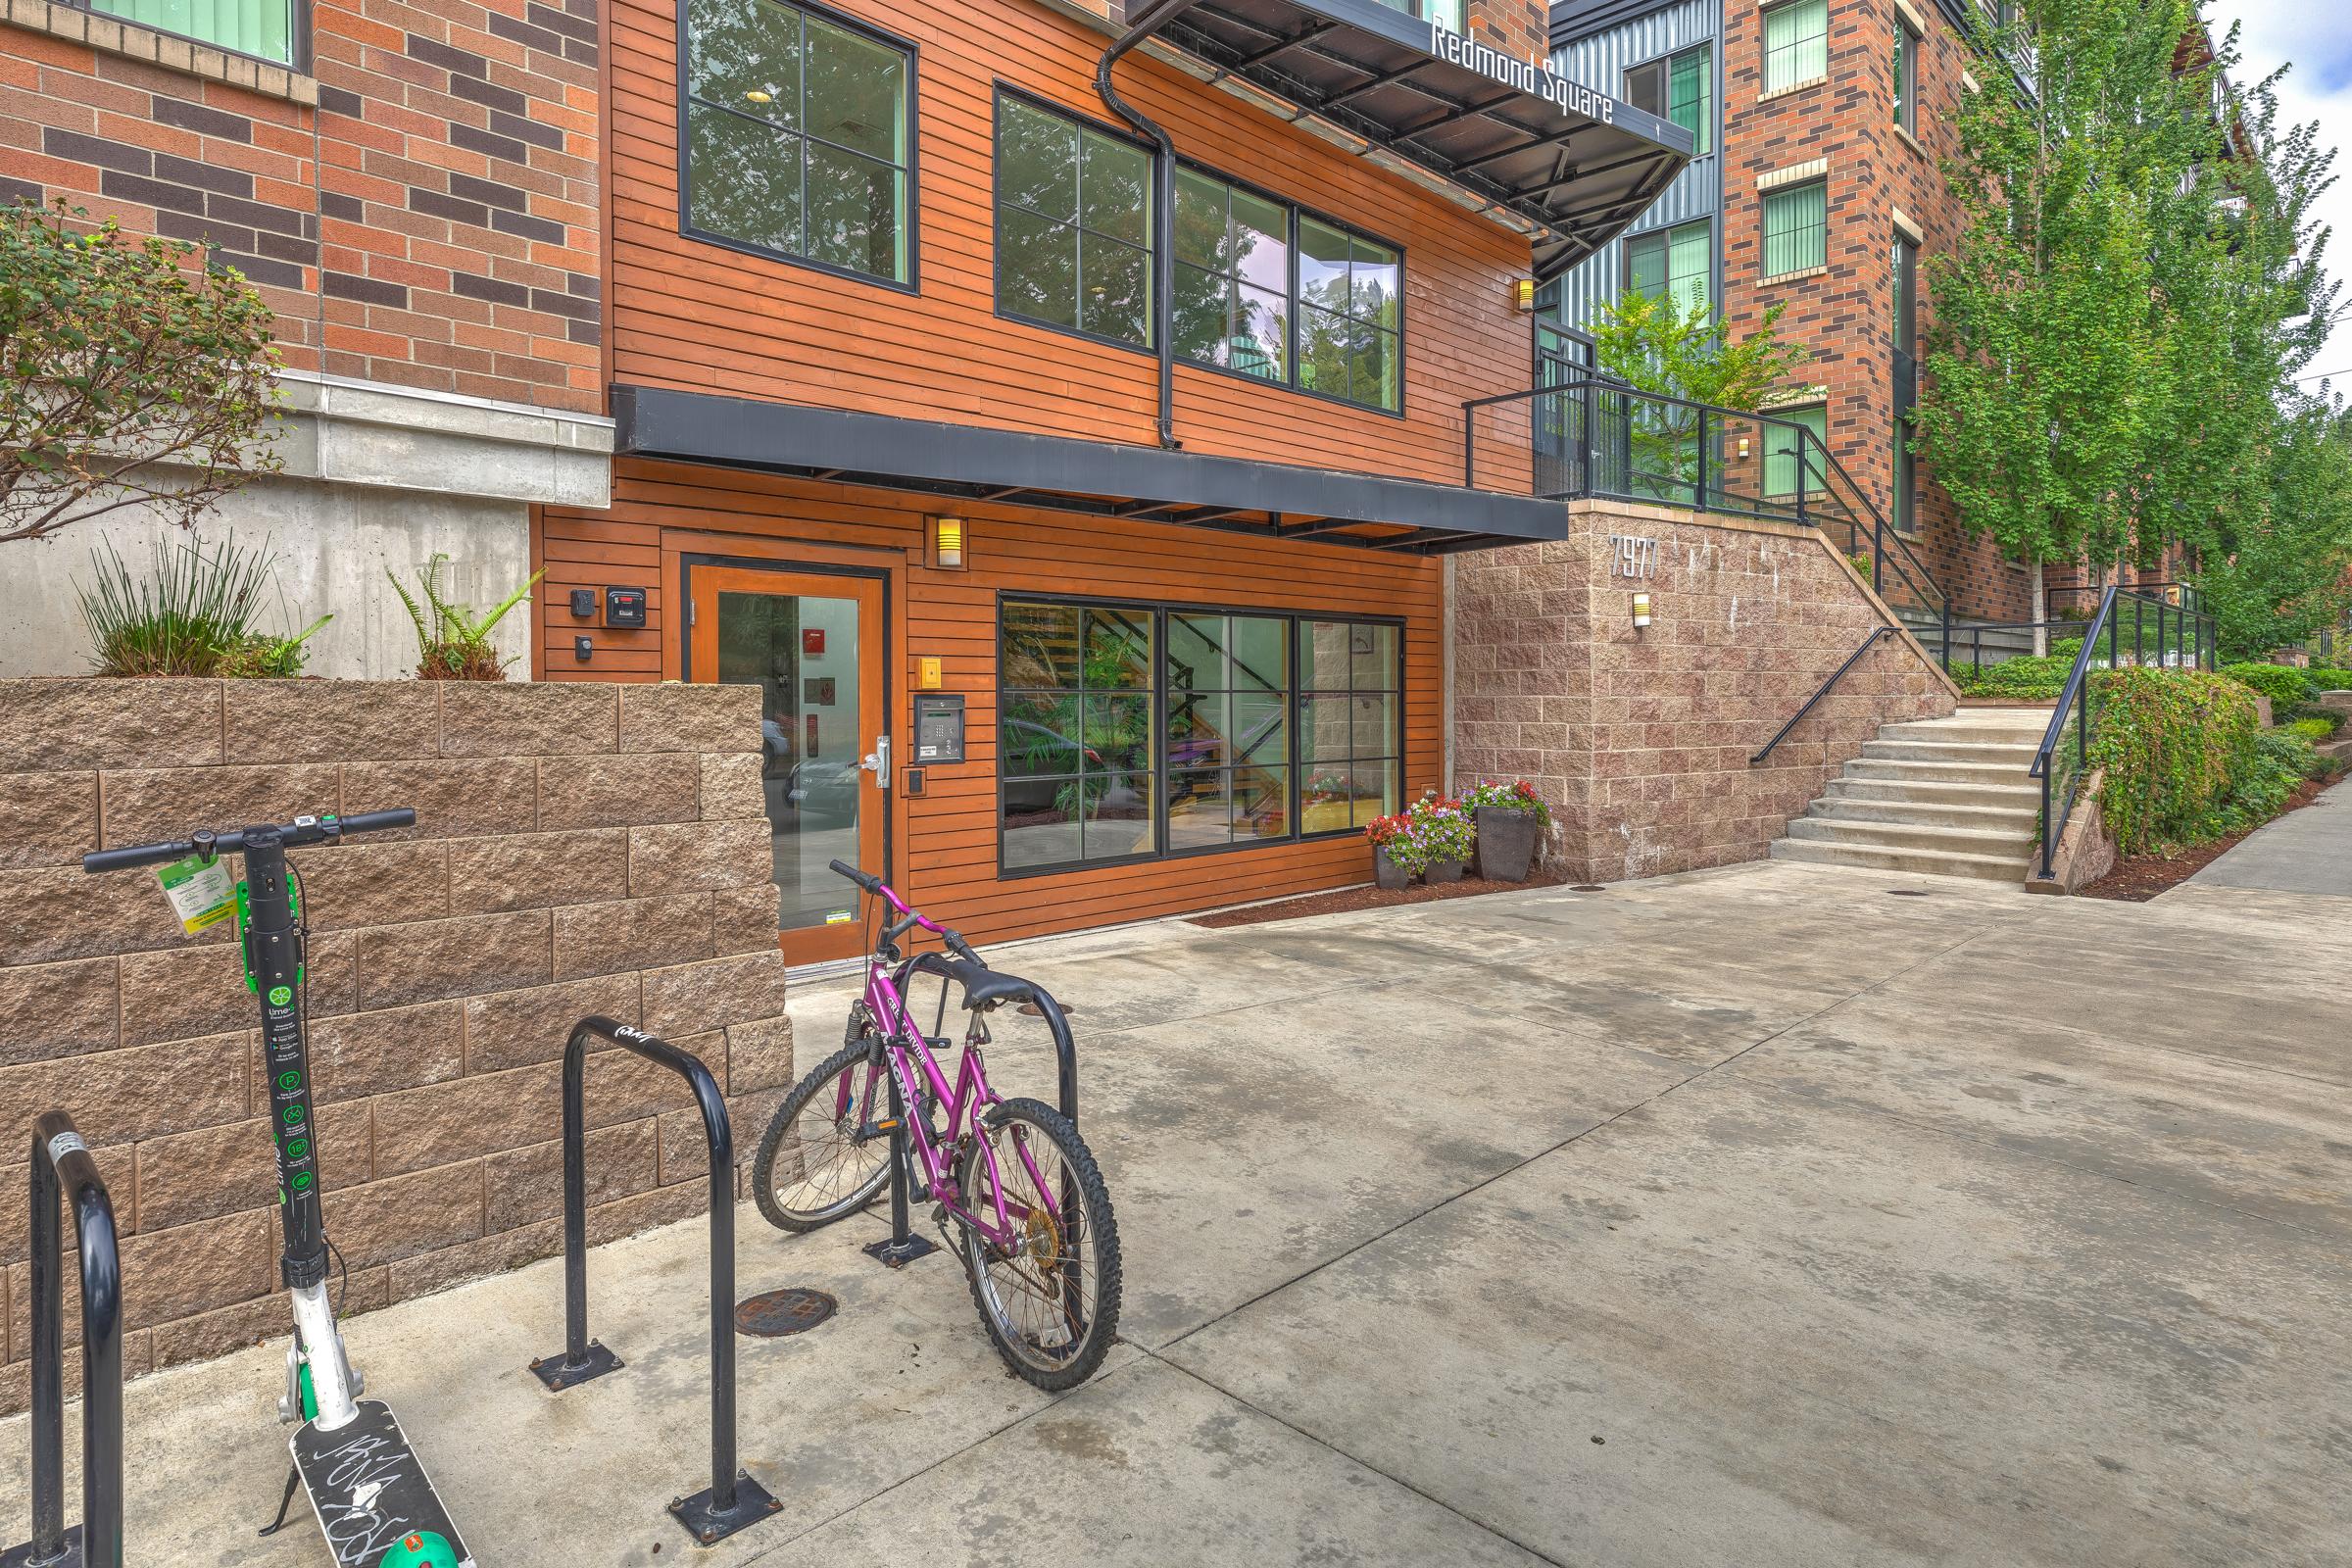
{"type": "Point", "coordinates": [908, 1050]}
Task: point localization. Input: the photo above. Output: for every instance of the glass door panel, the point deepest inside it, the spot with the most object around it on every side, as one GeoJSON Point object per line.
{"type": "Point", "coordinates": [813, 644]}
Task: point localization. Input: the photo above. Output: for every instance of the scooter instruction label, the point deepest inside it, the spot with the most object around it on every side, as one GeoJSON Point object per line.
{"type": "Point", "coordinates": [200, 892]}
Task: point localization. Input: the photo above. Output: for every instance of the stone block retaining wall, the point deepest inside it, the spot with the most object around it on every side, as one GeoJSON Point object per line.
{"type": "Point", "coordinates": [1639, 737]}
{"type": "Point", "coordinates": [579, 848]}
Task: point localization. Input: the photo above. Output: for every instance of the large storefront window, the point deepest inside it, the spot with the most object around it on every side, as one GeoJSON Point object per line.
{"type": "Point", "coordinates": [1074, 741]}
{"type": "Point", "coordinates": [797, 136]}
{"type": "Point", "coordinates": [1128, 731]}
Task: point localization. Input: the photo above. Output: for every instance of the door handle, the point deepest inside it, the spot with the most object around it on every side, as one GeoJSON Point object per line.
{"type": "Point", "coordinates": [877, 761]}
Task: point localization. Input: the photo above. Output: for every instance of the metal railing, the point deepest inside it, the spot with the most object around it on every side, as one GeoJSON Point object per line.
{"type": "Point", "coordinates": [2165, 622]}
{"type": "Point", "coordinates": [734, 1499]}
{"type": "Point", "coordinates": [2162, 635]}
{"type": "Point", "coordinates": [1591, 437]}
{"type": "Point", "coordinates": [62, 1160]}
{"type": "Point", "coordinates": [1851, 660]}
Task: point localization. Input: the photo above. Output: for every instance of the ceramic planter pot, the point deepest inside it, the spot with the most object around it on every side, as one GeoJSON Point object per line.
{"type": "Point", "coordinates": [1442, 871]}
{"type": "Point", "coordinates": [1506, 843]}
{"type": "Point", "coordinates": [1386, 874]}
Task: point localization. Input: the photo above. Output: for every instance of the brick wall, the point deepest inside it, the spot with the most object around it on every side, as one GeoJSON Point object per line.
{"type": "Point", "coordinates": [1520, 28]}
{"type": "Point", "coordinates": [1639, 738]}
{"type": "Point", "coordinates": [579, 849]}
{"type": "Point", "coordinates": [433, 221]}
{"type": "Point", "coordinates": [1845, 315]}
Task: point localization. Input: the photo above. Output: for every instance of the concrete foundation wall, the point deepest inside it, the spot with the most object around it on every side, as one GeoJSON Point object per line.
{"type": "Point", "coordinates": [582, 847]}
{"type": "Point", "coordinates": [1639, 737]}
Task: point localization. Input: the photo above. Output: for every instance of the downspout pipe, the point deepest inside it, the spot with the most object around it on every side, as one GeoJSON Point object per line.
{"type": "Point", "coordinates": [1154, 16]}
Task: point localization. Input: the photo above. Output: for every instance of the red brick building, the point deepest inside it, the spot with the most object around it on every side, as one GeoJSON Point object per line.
{"type": "Point", "coordinates": [415, 190]}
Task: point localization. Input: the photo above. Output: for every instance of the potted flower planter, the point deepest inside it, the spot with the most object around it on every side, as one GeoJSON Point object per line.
{"type": "Point", "coordinates": [1442, 871]}
{"type": "Point", "coordinates": [1386, 874]}
{"type": "Point", "coordinates": [1506, 843]}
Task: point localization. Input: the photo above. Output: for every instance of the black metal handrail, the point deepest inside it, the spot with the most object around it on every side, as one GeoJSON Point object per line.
{"type": "Point", "coordinates": [1851, 660]}
{"type": "Point", "coordinates": [2058, 766]}
{"type": "Point", "coordinates": [62, 1160]}
{"type": "Point", "coordinates": [734, 1499]}
{"type": "Point", "coordinates": [1583, 438]}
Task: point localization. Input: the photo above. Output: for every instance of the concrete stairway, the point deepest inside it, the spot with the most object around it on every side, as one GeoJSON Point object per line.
{"type": "Point", "coordinates": [1941, 797]}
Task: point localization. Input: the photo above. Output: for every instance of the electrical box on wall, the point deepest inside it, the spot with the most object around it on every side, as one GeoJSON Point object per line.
{"type": "Point", "coordinates": [938, 726]}
{"type": "Point", "coordinates": [625, 606]}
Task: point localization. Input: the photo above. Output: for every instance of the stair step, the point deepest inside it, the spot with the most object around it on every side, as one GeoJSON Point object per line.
{"type": "Point", "coordinates": [2017, 820]}
{"type": "Point", "coordinates": [1939, 770]}
{"type": "Point", "coordinates": [1912, 836]}
{"type": "Point", "coordinates": [2018, 754]}
{"type": "Point", "coordinates": [2026, 796]}
{"type": "Point", "coordinates": [1823, 852]}
{"type": "Point", "coordinates": [1995, 731]}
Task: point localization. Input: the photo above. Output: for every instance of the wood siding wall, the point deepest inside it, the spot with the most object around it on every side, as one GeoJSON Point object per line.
{"type": "Point", "coordinates": [698, 317]}
{"type": "Point", "coordinates": [943, 842]}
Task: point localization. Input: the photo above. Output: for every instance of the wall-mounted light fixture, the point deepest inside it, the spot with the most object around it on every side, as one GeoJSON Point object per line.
{"type": "Point", "coordinates": [1743, 449]}
{"type": "Point", "coordinates": [1523, 293]}
{"type": "Point", "coordinates": [947, 543]}
{"type": "Point", "coordinates": [1641, 610]}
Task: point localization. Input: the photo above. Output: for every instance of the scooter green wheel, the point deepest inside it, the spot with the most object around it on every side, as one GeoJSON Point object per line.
{"type": "Point", "coordinates": [419, 1548]}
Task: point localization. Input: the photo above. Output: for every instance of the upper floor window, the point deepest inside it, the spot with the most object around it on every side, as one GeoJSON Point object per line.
{"type": "Point", "coordinates": [1906, 77]}
{"type": "Point", "coordinates": [1791, 467]}
{"type": "Point", "coordinates": [1905, 264]}
{"type": "Point", "coordinates": [1796, 228]}
{"type": "Point", "coordinates": [1447, 14]}
{"type": "Point", "coordinates": [1270, 291]}
{"type": "Point", "coordinates": [266, 29]}
{"type": "Point", "coordinates": [799, 136]}
{"type": "Point", "coordinates": [1680, 88]}
{"type": "Point", "coordinates": [1073, 225]}
{"type": "Point", "coordinates": [1796, 44]}
{"type": "Point", "coordinates": [1672, 263]}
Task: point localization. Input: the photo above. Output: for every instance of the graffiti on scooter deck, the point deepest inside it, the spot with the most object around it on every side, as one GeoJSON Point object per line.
{"type": "Point", "coordinates": [371, 1493]}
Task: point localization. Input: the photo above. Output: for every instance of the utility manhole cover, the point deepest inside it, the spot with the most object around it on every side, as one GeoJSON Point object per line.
{"type": "Point", "coordinates": [1588, 887]}
{"type": "Point", "coordinates": [1907, 893]}
{"type": "Point", "coordinates": [774, 1313]}
{"type": "Point", "coordinates": [1032, 1010]}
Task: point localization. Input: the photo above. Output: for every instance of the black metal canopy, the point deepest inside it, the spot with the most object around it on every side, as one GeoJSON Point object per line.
{"type": "Point", "coordinates": [1574, 162]}
{"type": "Point", "coordinates": [968, 463]}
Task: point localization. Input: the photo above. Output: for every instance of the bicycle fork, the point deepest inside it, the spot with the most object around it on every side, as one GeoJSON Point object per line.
{"type": "Point", "coordinates": [321, 1383]}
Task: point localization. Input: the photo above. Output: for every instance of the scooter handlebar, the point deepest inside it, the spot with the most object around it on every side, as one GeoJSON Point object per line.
{"type": "Point", "coordinates": [294, 835]}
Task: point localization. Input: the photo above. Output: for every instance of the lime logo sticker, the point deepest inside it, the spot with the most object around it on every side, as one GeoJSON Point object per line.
{"type": "Point", "coordinates": [292, 1115]}
{"type": "Point", "coordinates": [302, 1180]}
{"type": "Point", "coordinates": [289, 1080]}
{"type": "Point", "coordinates": [280, 995]}
{"type": "Point", "coordinates": [296, 1148]}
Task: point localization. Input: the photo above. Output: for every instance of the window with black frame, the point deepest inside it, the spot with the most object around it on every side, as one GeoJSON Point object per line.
{"type": "Point", "coordinates": [1351, 741]}
{"type": "Point", "coordinates": [1350, 315]}
{"type": "Point", "coordinates": [1905, 259]}
{"type": "Point", "coordinates": [1228, 745]}
{"type": "Point", "coordinates": [1076, 782]}
{"type": "Point", "coordinates": [799, 136]}
{"type": "Point", "coordinates": [1233, 278]}
{"type": "Point", "coordinates": [1073, 225]}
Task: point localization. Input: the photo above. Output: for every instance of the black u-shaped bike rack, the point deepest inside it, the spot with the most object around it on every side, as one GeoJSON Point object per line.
{"type": "Point", "coordinates": [734, 1499]}
{"type": "Point", "coordinates": [61, 1159]}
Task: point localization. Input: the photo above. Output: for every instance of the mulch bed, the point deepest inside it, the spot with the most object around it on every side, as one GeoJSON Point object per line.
{"type": "Point", "coordinates": [2137, 878]}
{"type": "Point", "coordinates": [1369, 897]}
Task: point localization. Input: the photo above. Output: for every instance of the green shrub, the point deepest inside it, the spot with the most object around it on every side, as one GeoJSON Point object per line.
{"type": "Point", "coordinates": [2314, 724]}
{"type": "Point", "coordinates": [2274, 766]}
{"type": "Point", "coordinates": [2177, 747]}
{"type": "Point", "coordinates": [193, 614]}
{"type": "Point", "coordinates": [2283, 684]}
{"type": "Point", "coordinates": [2018, 679]}
{"type": "Point", "coordinates": [2330, 680]}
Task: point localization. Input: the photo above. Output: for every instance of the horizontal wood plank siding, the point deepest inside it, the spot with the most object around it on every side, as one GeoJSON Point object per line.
{"type": "Point", "coordinates": [944, 848]}
{"type": "Point", "coordinates": [697, 317]}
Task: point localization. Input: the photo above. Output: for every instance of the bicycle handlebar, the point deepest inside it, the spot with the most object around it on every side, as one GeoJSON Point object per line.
{"type": "Point", "coordinates": [327, 828]}
{"type": "Point", "coordinates": [898, 928]}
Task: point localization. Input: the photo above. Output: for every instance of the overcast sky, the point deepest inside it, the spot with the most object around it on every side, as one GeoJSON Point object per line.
{"type": "Point", "coordinates": [2313, 37]}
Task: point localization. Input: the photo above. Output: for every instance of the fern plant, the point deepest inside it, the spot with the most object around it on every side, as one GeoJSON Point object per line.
{"type": "Point", "coordinates": [453, 643]}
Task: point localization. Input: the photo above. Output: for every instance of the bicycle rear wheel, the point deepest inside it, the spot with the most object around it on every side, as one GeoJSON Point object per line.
{"type": "Point", "coordinates": [1050, 1301]}
{"type": "Point", "coordinates": [823, 1157]}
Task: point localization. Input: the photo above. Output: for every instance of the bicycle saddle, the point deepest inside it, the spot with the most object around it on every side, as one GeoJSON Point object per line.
{"type": "Point", "coordinates": [983, 987]}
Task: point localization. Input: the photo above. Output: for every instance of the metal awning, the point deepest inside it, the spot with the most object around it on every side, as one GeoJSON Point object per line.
{"type": "Point", "coordinates": [969, 463]}
{"type": "Point", "coordinates": [1575, 163]}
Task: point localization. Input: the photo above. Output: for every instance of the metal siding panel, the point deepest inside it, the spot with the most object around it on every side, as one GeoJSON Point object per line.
{"type": "Point", "coordinates": [1600, 61]}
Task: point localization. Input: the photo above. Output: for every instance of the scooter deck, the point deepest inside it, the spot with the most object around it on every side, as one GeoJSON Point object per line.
{"type": "Point", "coordinates": [369, 1489]}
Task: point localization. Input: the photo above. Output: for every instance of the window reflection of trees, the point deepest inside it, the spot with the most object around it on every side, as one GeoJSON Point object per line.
{"type": "Point", "coordinates": [1073, 225]}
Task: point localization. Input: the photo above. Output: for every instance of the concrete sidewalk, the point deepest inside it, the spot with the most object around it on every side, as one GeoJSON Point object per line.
{"type": "Point", "coordinates": [2309, 851]}
{"type": "Point", "coordinates": [1748, 1216]}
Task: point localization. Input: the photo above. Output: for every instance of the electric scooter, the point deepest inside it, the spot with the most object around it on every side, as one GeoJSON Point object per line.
{"type": "Point", "coordinates": [376, 1507]}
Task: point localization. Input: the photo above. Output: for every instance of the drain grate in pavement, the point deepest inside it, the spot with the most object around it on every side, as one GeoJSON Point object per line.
{"type": "Point", "coordinates": [772, 1314]}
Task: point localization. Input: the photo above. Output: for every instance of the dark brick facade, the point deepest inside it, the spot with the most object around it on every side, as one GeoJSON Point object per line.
{"type": "Point", "coordinates": [1845, 313]}
{"type": "Point", "coordinates": [432, 222]}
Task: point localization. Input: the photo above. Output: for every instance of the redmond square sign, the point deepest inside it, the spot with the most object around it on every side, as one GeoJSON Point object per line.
{"type": "Point", "coordinates": [1536, 77]}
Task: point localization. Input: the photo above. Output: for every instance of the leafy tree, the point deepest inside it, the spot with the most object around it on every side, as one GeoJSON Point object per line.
{"type": "Point", "coordinates": [135, 375]}
{"type": "Point", "coordinates": [2275, 579]}
{"type": "Point", "coordinates": [1648, 342]}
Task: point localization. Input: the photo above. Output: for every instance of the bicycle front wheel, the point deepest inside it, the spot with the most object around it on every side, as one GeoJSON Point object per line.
{"type": "Point", "coordinates": [823, 1157]}
{"type": "Point", "coordinates": [1048, 1291]}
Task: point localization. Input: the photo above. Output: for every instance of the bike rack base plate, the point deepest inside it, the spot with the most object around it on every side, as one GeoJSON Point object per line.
{"type": "Point", "coordinates": [68, 1555]}
{"type": "Point", "coordinates": [559, 1375]}
{"type": "Point", "coordinates": [706, 1525]}
{"type": "Point", "coordinates": [898, 1255]}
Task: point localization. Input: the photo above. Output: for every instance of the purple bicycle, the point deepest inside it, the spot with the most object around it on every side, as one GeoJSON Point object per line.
{"type": "Point", "coordinates": [1037, 1242]}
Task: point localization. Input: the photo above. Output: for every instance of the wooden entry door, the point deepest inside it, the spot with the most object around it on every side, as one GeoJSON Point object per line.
{"type": "Point", "coordinates": [813, 642]}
